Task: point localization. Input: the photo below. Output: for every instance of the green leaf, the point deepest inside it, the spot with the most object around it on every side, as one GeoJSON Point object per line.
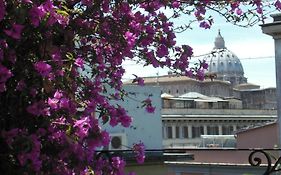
{"type": "Point", "coordinates": [62, 12]}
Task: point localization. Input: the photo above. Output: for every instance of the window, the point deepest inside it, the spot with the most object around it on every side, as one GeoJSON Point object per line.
{"type": "Point", "coordinates": [169, 132]}
{"type": "Point", "coordinates": [177, 132]}
{"type": "Point", "coordinates": [185, 132]}
{"type": "Point", "coordinates": [210, 105]}
{"type": "Point", "coordinates": [212, 130]}
{"type": "Point", "coordinates": [223, 105]}
{"type": "Point", "coordinates": [197, 131]}
{"type": "Point", "coordinates": [189, 104]}
{"type": "Point", "coordinates": [227, 130]}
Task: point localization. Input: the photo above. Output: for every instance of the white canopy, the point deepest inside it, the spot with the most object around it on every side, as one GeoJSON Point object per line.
{"type": "Point", "coordinates": [165, 95]}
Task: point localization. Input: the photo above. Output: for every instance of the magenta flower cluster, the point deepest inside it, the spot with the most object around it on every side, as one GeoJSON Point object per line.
{"type": "Point", "coordinates": [59, 61]}
{"type": "Point", "coordinates": [139, 150]}
{"type": "Point", "coordinates": [147, 103]}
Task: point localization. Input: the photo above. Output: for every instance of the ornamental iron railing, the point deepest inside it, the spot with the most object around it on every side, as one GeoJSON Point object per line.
{"type": "Point", "coordinates": [271, 167]}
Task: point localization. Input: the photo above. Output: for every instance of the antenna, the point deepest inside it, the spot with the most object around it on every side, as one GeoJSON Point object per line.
{"type": "Point", "coordinates": [157, 77]}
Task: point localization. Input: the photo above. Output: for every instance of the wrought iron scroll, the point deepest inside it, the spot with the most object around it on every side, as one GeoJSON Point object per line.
{"type": "Point", "coordinates": [256, 160]}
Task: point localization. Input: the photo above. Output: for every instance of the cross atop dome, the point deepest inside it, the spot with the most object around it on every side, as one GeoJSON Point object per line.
{"type": "Point", "coordinates": [219, 41]}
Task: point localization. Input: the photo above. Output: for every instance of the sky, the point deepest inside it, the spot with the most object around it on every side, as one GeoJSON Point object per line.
{"type": "Point", "coordinates": [254, 49]}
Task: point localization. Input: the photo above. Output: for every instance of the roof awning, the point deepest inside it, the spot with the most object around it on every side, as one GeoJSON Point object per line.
{"type": "Point", "coordinates": [165, 95]}
{"type": "Point", "coordinates": [216, 116]}
{"type": "Point", "coordinates": [209, 100]}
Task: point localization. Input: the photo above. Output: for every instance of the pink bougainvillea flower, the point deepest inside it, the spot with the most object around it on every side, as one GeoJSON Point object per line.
{"type": "Point", "coordinates": [187, 50]}
{"type": "Point", "coordinates": [64, 103]}
{"type": "Point", "coordinates": [162, 51]}
{"type": "Point", "coordinates": [53, 103]}
{"type": "Point", "coordinates": [36, 14]}
{"type": "Point", "coordinates": [58, 94]}
{"type": "Point", "coordinates": [37, 108]}
{"type": "Point", "coordinates": [48, 6]}
{"type": "Point", "coordinates": [148, 106]}
{"type": "Point", "coordinates": [176, 4]}
{"type": "Point", "coordinates": [139, 150]}
{"type": "Point", "coordinates": [105, 138]}
{"type": "Point", "coordinates": [63, 20]}
{"type": "Point", "coordinates": [21, 85]}
{"type": "Point", "coordinates": [43, 68]}
{"type": "Point", "coordinates": [239, 11]}
{"type": "Point", "coordinates": [130, 38]}
{"type": "Point", "coordinates": [79, 62]}
{"type": "Point", "coordinates": [15, 31]}
{"type": "Point", "coordinates": [105, 5]}
{"type": "Point", "coordinates": [139, 80]}
{"type": "Point", "coordinates": [150, 109]}
{"type": "Point", "coordinates": [205, 25]}
{"type": "Point", "coordinates": [5, 74]}
{"type": "Point", "coordinates": [204, 64]}
{"type": "Point", "coordinates": [118, 163]}
{"type": "Point", "coordinates": [113, 121]}
{"type": "Point", "coordinates": [82, 127]}
{"type": "Point", "coordinates": [125, 120]}
{"type": "Point", "coordinates": [87, 2]}
{"type": "Point", "coordinates": [2, 9]}
{"type": "Point", "coordinates": [277, 4]}
{"type": "Point", "coordinates": [259, 10]}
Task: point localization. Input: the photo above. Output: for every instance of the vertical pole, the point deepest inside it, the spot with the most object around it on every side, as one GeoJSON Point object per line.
{"type": "Point", "coordinates": [220, 130]}
{"type": "Point", "coordinates": [274, 29]}
{"type": "Point", "coordinates": [205, 130]}
{"type": "Point", "coordinates": [277, 42]}
{"type": "Point", "coordinates": [189, 131]}
{"type": "Point", "coordinates": [173, 131]}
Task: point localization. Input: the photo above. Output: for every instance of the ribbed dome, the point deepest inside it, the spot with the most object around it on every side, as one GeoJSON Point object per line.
{"type": "Point", "coordinates": [225, 64]}
{"type": "Point", "coordinates": [223, 61]}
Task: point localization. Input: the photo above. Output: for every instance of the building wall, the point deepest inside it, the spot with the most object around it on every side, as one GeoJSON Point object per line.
{"type": "Point", "coordinates": [270, 98]}
{"type": "Point", "coordinates": [179, 88]}
{"type": "Point", "coordinates": [259, 99]}
{"type": "Point", "coordinates": [261, 137]}
{"type": "Point", "coordinates": [209, 88]}
{"type": "Point", "coordinates": [216, 89]}
{"type": "Point", "coordinates": [146, 127]}
{"type": "Point", "coordinates": [148, 169]}
{"type": "Point", "coordinates": [214, 169]}
{"type": "Point", "coordinates": [252, 98]}
{"type": "Point", "coordinates": [182, 128]}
